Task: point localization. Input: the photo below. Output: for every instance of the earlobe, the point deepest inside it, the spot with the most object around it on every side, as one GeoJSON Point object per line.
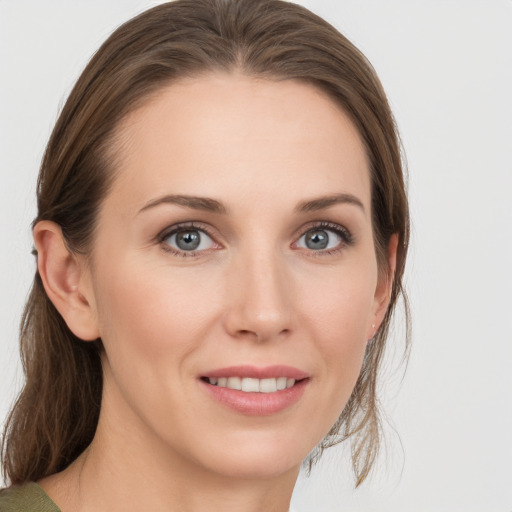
{"type": "Point", "coordinates": [384, 286]}
{"type": "Point", "coordinates": [63, 280]}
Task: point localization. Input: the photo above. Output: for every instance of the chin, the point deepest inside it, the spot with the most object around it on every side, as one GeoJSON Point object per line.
{"type": "Point", "coordinates": [260, 467]}
{"type": "Point", "coordinates": [257, 456]}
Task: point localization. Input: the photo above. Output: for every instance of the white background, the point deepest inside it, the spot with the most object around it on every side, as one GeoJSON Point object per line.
{"type": "Point", "coordinates": [447, 68]}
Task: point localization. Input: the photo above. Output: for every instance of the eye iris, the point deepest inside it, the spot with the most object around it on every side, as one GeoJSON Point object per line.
{"type": "Point", "coordinates": [318, 239]}
{"type": "Point", "coordinates": [188, 240]}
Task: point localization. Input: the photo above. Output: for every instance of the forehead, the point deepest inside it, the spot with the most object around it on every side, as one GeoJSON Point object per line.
{"type": "Point", "coordinates": [233, 136]}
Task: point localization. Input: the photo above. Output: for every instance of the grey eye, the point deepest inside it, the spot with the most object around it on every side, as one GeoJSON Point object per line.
{"type": "Point", "coordinates": [188, 240]}
{"type": "Point", "coordinates": [316, 240]}
{"type": "Point", "coordinates": [319, 239]}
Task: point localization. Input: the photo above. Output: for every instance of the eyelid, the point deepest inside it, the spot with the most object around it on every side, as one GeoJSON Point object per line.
{"type": "Point", "coordinates": [340, 230]}
{"type": "Point", "coordinates": [186, 226]}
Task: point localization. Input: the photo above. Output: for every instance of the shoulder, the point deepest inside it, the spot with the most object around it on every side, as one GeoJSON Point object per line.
{"type": "Point", "coordinates": [26, 498]}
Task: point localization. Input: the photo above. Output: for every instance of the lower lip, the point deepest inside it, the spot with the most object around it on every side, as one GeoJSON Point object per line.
{"type": "Point", "coordinates": [257, 404]}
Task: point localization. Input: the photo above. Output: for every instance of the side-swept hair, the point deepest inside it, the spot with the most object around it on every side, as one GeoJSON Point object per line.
{"type": "Point", "coordinates": [55, 416]}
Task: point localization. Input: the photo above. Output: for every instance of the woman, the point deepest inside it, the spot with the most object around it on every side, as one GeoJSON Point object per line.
{"type": "Point", "coordinates": [221, 236]}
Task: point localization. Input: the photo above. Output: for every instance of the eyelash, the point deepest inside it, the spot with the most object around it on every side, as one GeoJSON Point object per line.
{"type": "Point", "coordinates": [187, 226]}
{"type": "Point", "coordinates": [347, 238]}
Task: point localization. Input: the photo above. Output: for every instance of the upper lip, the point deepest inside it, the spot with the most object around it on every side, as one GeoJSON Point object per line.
{"type": "Point", "coordinates": [267, 372]}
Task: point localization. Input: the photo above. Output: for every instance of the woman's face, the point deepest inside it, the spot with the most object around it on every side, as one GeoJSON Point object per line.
{"type": "Point", "coordinates": [234, 250]}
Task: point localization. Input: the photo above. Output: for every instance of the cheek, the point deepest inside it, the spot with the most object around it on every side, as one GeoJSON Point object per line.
{"type": "Point", "coordinates": [339, 313]}
{"type": "Point", "coordinates": [151, 325]}
{"type": "Point", "coordinates": [153, 314]}
{"type": "Point", "coordinates": [341, 306]}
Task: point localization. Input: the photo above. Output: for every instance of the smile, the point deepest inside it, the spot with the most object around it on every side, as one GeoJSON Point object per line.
{"type": "Point", "coordinates": [256, 391]}
{"type": "Point", "coordinates": [252, 385]}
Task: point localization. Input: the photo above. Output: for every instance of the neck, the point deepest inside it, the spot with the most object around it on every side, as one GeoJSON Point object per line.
{"type": "Point", "coordinates": [124, 470]}
{"type": "Point", "coordinates": [150, 483]}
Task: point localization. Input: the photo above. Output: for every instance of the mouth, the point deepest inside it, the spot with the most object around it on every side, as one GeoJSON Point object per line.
{"type": "Point", "coordinates": [252, 385]}
{"type": "Point", "coordinates": [256, 391]}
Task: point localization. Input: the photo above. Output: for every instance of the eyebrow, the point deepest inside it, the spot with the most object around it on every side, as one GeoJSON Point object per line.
{"type": "Point", "coordinates": [214, 206]}
{"type": "Point", "coordinates": [193, 202]}
{"type": "Point", "coordinates": [320, 203]}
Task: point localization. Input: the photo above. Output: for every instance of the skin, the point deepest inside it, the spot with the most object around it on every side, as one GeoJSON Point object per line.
{"type": "Point", "coordinates": [254, 294]}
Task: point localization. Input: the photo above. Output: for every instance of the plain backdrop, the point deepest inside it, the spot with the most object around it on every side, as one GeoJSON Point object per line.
{"type": "Point", "coordinates": [447, 69]}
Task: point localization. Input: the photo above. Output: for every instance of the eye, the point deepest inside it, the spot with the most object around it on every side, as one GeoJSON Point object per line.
{"type": "Point", "coordinates": [182, 240]}
{"type": "Point", "coordinates": [319, 240]}
{"type": "Point", "coordinates": [326, 238]}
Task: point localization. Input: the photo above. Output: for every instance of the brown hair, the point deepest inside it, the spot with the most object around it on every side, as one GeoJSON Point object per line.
{"type": "Point", "coordinates": [55, 416]}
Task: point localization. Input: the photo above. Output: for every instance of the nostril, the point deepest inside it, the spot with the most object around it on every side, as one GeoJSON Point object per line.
{"type": "Point", "coordinates": [245, 321]}
{"type": "Point", "coordinates": [261, 334]}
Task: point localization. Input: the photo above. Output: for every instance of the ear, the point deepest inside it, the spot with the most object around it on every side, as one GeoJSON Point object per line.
{"type": "Point", "coordinates": [65, 280]}
{"type": "Point", "coordinates": [384, 288]}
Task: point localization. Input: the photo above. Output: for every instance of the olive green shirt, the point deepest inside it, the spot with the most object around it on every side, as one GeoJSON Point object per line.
{"type": "Point", "coordinates": [26, 498]}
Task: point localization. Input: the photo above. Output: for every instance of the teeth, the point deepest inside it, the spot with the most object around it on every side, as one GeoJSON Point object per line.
{"type": "Point", "coordinates": [268, 385]}
{"type": "Point", "coordinates": [281, 383]}
{"type": "Point", "coordinates": [250, 385]}
{"type": "Point", "coordinates": [234, 383]}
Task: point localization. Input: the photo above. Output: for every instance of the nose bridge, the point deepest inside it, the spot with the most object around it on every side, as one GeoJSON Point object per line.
{"type": "Point", "coordinates": [260, 305]}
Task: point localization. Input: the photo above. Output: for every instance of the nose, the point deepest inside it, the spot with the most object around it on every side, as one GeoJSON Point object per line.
{"type": "Point", "coordinates": [260, 299]}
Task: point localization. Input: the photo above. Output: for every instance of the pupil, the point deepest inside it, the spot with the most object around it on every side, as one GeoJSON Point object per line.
{"type": "Point", "coordinates": [188, 240]}
{"type": "Point", "coordinates": [317, 239]}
